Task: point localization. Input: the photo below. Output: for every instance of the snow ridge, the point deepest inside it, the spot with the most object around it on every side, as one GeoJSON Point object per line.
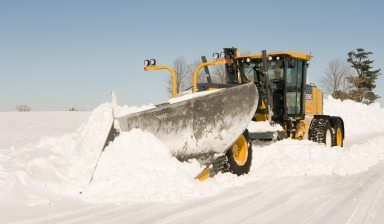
{"type": "Point", "coordinates": [137, 167]}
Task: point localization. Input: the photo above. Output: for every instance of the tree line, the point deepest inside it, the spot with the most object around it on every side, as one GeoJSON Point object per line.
{"type": "Point", "coordinates": [26, 108]}
{"type": "Point", "coordinates": [354, 80]}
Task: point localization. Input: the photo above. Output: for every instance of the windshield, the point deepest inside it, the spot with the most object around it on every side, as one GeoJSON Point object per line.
{"type": "Point", "coordinates": [253, 70]}
{"type": "Point", "coordinates": [275, 70]}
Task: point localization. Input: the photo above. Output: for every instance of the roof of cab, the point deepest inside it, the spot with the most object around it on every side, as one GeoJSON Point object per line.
{"type": "Point", "coordinates": [296, 55]}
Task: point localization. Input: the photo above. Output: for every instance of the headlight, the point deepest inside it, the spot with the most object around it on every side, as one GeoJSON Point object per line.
{"type": "Point", "coordinates": [215, 55]}
{"type": "Point", "coordinates": [146, 63]}
{"type": "Point", "coordinates": [222, 55]}
{"type": "Point", "coordinates": [247, 60]}
{"type": "Point", "coordinates": [270, 58]}
{"type": "Point", "coordinates": [152, 62]}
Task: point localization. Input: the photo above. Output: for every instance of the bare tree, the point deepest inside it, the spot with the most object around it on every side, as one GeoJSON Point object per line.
{"type": "Point", "coordinates": [335, 80]}
{"type": "Point", "coordinates": [184, 73]}
{"type": "Point", "coordinates": [202, 77]}
{"type": "Point", "coordinates": [73, 109]}
{"type": "Point", "coordinates": [218, 75]}
{"type": "Point", "coordinates": [23, 108]}
{"type": "Point", "coordinates": [182, 70]}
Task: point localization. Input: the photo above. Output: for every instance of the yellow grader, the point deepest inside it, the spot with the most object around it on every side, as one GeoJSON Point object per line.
{"type": "Point", "coordinates": [212, 126]}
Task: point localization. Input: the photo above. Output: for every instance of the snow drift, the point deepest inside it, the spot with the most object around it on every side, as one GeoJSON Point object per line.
{"type": "Point", "coordinates": [137, 167]}
{"type": "Point", "coordinates": [360, 120]}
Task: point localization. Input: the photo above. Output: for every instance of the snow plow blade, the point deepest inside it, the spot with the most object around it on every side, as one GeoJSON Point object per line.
{"type": "Point", "coordinates": [201, 126]}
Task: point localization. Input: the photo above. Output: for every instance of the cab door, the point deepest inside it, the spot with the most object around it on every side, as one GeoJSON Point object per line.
{"type": "Point", "coordinates": [294, 92]}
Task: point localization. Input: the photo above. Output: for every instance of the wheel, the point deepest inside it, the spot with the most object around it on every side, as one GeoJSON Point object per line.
{"type": "Point", "coordinates": [338, 135]}
{"type": "Point", "coordinates": [240, 155]}
{"type": "Point", "coordinates": [321, 131]}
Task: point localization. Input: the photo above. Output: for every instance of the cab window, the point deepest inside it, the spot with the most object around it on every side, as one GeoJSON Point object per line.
{"type": "Point", "coordinates": [294, 87]}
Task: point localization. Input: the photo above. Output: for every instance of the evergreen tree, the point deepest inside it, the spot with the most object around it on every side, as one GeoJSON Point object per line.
{"type": "Point", "coordinates": [364, 83]}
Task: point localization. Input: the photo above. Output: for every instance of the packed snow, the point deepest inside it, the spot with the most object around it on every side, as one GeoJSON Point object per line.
{"type": "Point", "coordinates": [359, 119]}
{"type": "Point", "coordinates": [263, 126]}
{"type": "Point", "coordinates": [138, 168]}
{"type": "Point", "coordinates": [120, 111]}
{"type": "Point", "coordinates": [191, 96]}
{"type": "Point", "coordinates": [18, 129]}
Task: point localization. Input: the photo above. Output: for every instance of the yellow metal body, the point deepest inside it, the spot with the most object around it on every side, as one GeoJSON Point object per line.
{"type": "Point", "coordinates": [205, 174]}
{"type": "Point", "coordinates": [339, 137]}
{"type": "Point", "coordinates": [259, 116]}
{"type": "Point", "coordinates": [165, 67]}
{"type": "Point", "coordinates": [313, 106]}
{"type": "Point", "coordinates": [296, 55]}
{"type": "Point", "coordinates": [314, 102]}
{"type": "Point", "coordinates": [300, 129]}
{"type": "Point", "coordinates": [240, 150]}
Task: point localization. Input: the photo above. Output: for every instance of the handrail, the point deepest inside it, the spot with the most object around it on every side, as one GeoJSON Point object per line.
{"type": "Point", "coordinates": [165, 67]}
{"type": "Point", "coordinates": [197, 70]}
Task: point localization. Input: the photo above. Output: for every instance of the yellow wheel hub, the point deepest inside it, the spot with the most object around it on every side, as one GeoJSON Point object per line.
{"type": "Point", "coordinates": [339, 137]}
{"type": "Point", "coordinates": [240, 150]}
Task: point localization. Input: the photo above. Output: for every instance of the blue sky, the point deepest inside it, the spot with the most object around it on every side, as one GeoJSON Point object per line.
{"type": "Point", "coordinates": [60, 54]}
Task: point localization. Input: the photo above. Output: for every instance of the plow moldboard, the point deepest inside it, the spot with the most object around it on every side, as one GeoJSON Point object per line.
{"type": "Point", "coordinates": [204, 124]}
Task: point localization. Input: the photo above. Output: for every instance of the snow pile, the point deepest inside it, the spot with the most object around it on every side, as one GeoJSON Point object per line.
{"type": "Point", "coordinates": [137, 167]}
{"type": "Point", "coordinates": [360, 120]}
{"type": "Point", "coordinates": [2, 172]}
{"type": "Point", "coordinates": [263, 126]}
{"type": "Point", "coordinates": [18, 129]}
{"type": "Point", "coordinates": [89, 142]}
{"type": "Point", "coordinates": [60, 165]}
{"type": "Point", "coordinates": [120, 111]}
{"type": "Point", "coordinates": [25, 174]}
{"type": "Point", "coordinates": [364, 128]}
{"type": "Point", "coordinates": [192, 95]}
{"type": "Point", "coordinates": [305, 158]}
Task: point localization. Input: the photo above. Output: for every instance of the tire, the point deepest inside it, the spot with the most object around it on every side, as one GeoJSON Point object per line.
{"type": "Point", "coordinates": [321, 131]}
{"type": "Point", "coordinates": [338, 135]}
{"type": "Point", "coordinates": [239, 155]}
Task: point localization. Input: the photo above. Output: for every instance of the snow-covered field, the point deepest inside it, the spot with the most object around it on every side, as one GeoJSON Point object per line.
{"type": "Point", "coordinates": [44, 163]}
